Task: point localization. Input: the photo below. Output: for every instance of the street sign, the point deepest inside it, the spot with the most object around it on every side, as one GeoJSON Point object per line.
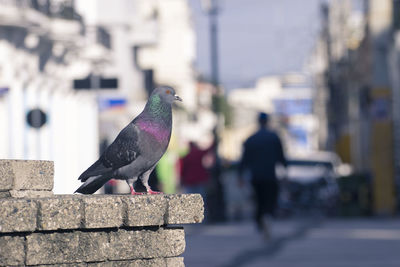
{"type": "Point", "coordinates": [95, 82]}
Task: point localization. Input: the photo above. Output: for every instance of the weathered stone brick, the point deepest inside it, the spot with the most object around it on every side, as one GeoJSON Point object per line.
{"type": "Point", "coordinates": [17, 215]}
{"type": "Point", "coordinates": [61, 212]}
{"type": "Point", "coordinates": [186, 208]}
{"type": "Point", "coordinates": [125, 245]}
{"type": "Point", "coordinates": [58, 248]}
{"type": "Point", "coordinates": [102, 211]}
{"type": "Point", "coordinates": [12, 250]}
{"type": "Point", "coordinates": [26, 175]}
{"type": "Point", "coordinates": [160, 262]}
{"type": "Point", "coordinates": [145, 210]}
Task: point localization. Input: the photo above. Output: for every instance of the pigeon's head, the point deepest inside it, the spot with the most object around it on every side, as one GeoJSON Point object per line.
{"type": "Point", "coordinates": [167, 94]}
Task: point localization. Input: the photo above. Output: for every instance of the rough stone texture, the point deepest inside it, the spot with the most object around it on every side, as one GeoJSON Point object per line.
{"type": "Point", "coordinates": [5, 194]}
{"type": "Point", "coordinates": [17, 215]}
{"type": "Point", "coordinates": [26, 175]}
{"type": "Point", "coordinates": [56, 248]}
{"type": "Point", "coordinates": [30, 193]}
{"type": "Point", "coordinates": [77, 246]}
{"type": "Point", "coordinates": [160, 262]}
{"type": "Point", "coordinates": [64, 265]}
{"type": "Point", "coordinates": [40, 229]}
{"type": "Point", "coordinates": [187, 208]}
{"type": "Point", "coordinates": [61, 212]}
{"type": "Point", "coordinates": [12, 250]}
{"type": "Point", "coordinates": [102, 211]}
{"type": "Point", "coordinates": [174, 262]}
{"type": "Point", "coordinates": [6, 175]}
{"type": "Point", "coordinates": [145, 210]}
{"type": "Point", "coordinates": [125, 245]}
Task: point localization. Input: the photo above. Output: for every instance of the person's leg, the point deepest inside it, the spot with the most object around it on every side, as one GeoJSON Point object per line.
{"type": "Point", "coordinates": [271, 194]}
{"type": "Point", "coordinates": [259, 200]}
{"type": "Point", "coordinates": [275, 196]}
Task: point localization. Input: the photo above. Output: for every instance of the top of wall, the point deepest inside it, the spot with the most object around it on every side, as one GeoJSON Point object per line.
{"type": "Point", "coordinates": [27, 204]}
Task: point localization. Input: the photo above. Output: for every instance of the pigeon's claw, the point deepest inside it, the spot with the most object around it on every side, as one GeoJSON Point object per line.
{"type": "Point", "coordinates": [151, 192]}
{"type": "Point", "coordinates": [133, 193]}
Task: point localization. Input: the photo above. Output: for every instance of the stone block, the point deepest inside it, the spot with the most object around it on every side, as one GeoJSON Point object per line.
{"type": "Point", "coordinates": [12, 250]}
{"type": "Point", "coordinates": [17, 215]}
{"type": "Point", "coordinates": [61, 212]}
{"type": "Point", "coordinates": [126, 245]}
{"type": "Point", "coordinates": [102, 211]}
{"type": "Point", "coordinates": [26, 175]}
{"type": "Point", "coordinates": [160, 262]}
{"type": "Point", "coordinates": [67, 247]}
{"type": "Point", "coordinates": [145, 210]}
{"type": "Point", "coordinates": [186, 208]}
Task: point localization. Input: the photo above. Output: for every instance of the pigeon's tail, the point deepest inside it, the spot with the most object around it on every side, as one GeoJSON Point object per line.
{"type": "Point", "coordinates": [96, 169]}
{"type": "Point", "coordinates": [93, 184]}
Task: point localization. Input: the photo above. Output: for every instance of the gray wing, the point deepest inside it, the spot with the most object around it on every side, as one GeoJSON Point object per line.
{"type": "Point", "coordinates": [123, 151]}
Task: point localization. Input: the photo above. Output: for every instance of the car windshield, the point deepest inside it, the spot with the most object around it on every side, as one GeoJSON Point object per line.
{"type": "Point", "coordinates": [305, 171]}
{"type": "Point", "coordinates": [310, 163]}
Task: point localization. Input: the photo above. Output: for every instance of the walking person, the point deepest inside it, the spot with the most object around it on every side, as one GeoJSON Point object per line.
{"type": "Point", "coordinates": [262, 151]}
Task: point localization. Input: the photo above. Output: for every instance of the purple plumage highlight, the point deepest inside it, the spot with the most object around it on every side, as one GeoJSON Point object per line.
{"type": "Point", "coordinates": [159, 132]}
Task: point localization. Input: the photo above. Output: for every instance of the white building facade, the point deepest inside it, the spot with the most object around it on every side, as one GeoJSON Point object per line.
{"type": "Point", "coordinates": [40, 56]}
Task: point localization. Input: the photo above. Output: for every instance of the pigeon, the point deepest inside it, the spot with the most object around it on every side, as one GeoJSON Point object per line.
{"type": "Point", "coordinates": [137, 148]}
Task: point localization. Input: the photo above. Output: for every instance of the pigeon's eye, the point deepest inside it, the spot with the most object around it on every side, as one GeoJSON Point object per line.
{"type": "Point", "coordinates": [168, 92]}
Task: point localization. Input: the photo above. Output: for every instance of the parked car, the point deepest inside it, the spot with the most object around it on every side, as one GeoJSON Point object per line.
{"type": "Point", "coordinates": [310, 184]}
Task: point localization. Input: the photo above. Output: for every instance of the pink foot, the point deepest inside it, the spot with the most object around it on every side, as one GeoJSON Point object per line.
{"type": "Point", "coordinates": [133, 193]}
{"type": "Point", "coordinates": [151, 192]}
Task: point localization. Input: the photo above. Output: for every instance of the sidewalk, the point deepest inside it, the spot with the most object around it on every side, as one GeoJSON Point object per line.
{"type": "Point", "coordinates": [342, 243]}
{"type": "Point", "coordinates": [300, 243]}
{"type": "Point", "coordinates": [236, 244]}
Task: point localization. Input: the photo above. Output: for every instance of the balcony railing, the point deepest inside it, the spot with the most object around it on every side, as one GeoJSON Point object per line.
{"type": "Point", "coordinates": [63, 9]}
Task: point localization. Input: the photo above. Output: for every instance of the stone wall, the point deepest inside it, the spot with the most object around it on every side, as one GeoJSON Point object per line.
{"type": "Point", "coordinates": [38, 228]}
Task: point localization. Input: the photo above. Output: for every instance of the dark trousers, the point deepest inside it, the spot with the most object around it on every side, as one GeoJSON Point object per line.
{"type": "Point", "coordinates": [266, 198]}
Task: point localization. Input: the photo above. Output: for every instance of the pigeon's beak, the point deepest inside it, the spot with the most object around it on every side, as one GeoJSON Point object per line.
{"type": "Point", "coordinates": [178, 98]}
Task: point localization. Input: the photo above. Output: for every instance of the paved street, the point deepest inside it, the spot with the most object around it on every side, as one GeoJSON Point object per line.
{"type": "Point", "coordinates": [300, 242]}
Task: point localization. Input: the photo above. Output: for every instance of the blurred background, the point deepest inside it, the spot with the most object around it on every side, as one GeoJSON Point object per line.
{"type": "Point", "coordinates": [73, 73]}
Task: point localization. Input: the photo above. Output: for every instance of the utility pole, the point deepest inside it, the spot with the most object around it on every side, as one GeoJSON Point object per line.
{"type": "Point", "coordinates": [382, 161]}
{"type": "Point", "coordinates": [216, 198]}
{"type": "Point", "coordinates": [212, 9]}
{"type": "Point", "coordinates": [213, 15]}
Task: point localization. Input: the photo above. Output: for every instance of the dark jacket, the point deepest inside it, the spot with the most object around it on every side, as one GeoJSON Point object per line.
{"type": "Point", "coordinates": [261, 152]}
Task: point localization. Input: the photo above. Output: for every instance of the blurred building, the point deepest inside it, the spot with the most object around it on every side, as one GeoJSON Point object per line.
{"type": "Point", "coordinates": [170, 60]}
{"type": "Point", "coordinates": [172, 56]}
{"type": "Point", "coordinates": [123, 29]}
{"type": "Point", "coordinates": [74, 73]}
{"type": "Point", "coordinates": [356, 76]}
{"type": "Point", "coordinates": [150, 43]}
{"type": "Point", "coordinates": [41, 116]}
